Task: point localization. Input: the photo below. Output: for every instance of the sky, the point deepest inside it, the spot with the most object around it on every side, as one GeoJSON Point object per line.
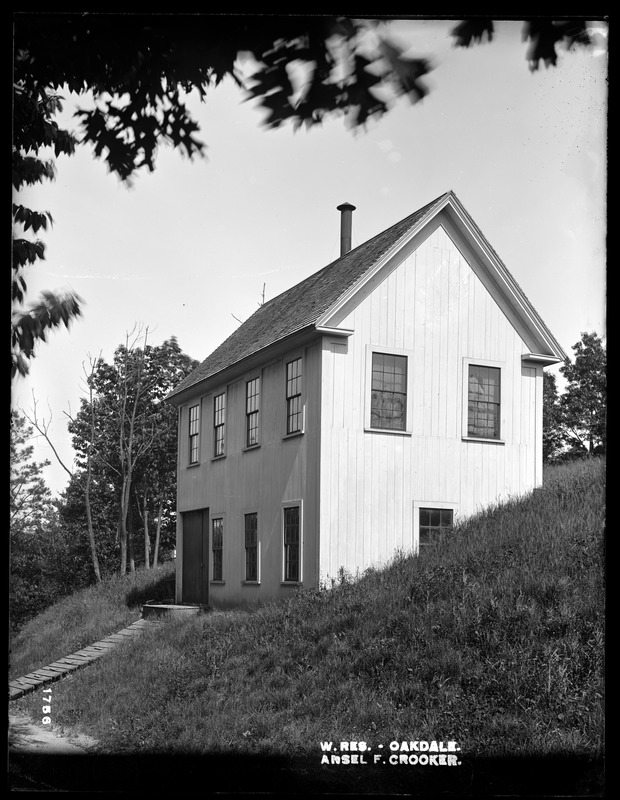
{"type": "Point", "coordinates": [189, 249]}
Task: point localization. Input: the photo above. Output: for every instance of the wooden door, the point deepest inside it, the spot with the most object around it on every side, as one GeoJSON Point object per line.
{"type": "Point", "coordinates": [196, 557]}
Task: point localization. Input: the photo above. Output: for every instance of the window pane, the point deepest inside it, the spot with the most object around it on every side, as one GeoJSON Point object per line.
{"type": "Point", "coordinates": [388, 399]}
{"type": "Point", "coordinates": [432, 521]}
{"type": "Point", "coordinates": [483, 402]}
{"type": "Point", "coordinates": [291, 544]}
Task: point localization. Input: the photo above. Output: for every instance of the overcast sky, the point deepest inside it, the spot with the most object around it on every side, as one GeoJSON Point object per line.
{"type": "Point", "coordinates": [188, 248]}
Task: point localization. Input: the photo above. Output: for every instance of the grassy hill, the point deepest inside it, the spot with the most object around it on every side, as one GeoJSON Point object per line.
{"type": "Point", "coordinates": [492, 638]}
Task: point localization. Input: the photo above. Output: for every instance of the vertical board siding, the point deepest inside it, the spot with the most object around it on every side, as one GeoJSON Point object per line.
{"type": "Point", "coordinates": [437, 307]}
{"type": "Point", "coordinates": [261, 479]}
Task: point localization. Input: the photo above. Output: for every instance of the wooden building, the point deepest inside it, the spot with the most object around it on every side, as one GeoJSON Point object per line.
{"type": "Point", "coordinates": [381, 399]}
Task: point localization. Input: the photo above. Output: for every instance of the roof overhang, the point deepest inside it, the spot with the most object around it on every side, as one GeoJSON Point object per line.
{"type": "Point", "coordinates": [260, 357]}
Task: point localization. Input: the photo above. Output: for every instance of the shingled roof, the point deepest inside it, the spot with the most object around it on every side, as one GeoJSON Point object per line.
{"type": "Point", "coordinates": [303, 304]}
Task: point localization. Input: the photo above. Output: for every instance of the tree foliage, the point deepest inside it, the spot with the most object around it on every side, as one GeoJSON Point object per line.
{"type": "Point", "coordinates": [575, 422]}
{"type": "Point", "coordinates": [44, 560]}
{"type": "Point", "coordinates": [137, 71]}
{"type": "Point", "coordinates": [128, 435]}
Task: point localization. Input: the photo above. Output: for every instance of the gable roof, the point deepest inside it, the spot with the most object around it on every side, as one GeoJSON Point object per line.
{"type": "Point", "coordinates": [303, 305]}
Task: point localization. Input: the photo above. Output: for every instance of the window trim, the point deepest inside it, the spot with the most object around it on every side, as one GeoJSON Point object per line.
{"type": "Point", "coordinates": [503, 399]}
{"type": "Point", "coordinates": [195, 434]}
{"type": "Point", "coordinates": [220, 425]}
{"type": "Point", "coordinates": [251, 581]}
{"type": "Point", "coordinates": [215, 518]}
{"type": "Point", "coordinates": [371, 349]}
{"type": "Point", "coordinates": [440, 504]}
{"type": "Point", "coordinates": [299, 505]}
{"type": "Point", "coordinates": [249, 414]}
{"type": "Point", "coordinates": [287, 397]}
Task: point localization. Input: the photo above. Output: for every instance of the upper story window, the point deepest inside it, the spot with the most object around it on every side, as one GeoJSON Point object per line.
{"type": "Point", "coordinates": [483, 402]}
{"type": "Point", "coordinates": [252, 408]}
{"type": "Point", "coordinates": [388, 404]}
{"type": "Point", "coordinates": [194, 433]}
{"type": "Point", "coordinates": [219, 424]}
{"type": "Point", "coordinates": [294, 409]}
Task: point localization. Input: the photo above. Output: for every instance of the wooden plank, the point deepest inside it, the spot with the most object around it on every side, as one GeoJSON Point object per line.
{"type": "Point", "coordinates": [76, 661]}
{"type": "Point", "coordinates": [47, 674]}
{"type": "Point", "coordinates": [27, 680]}
{"type": "Point", "coordinates": [64, 666]}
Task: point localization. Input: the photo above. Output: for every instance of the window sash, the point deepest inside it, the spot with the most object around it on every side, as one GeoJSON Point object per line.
{"type": "Point", "coordinates": [194, 433]}
{"type": "Point", "coordinates": [483, 402]}
{"type": "Point", "coordinates": [433, 520]}
{"type": "Point", "coordinates": [251, 547]}
{"type": "Point", "coordinates": [252, 405]}
{"type": "Point", "coordinates": [217, 546]}
{"type": "Point", "coordinates": [293, 396]}
{"type": "Point", "coordinates": [388, 399]}
{"type": "Point", "coordinates": [292, 541]}
{"type": "Point", "coordinates": [219, 423]}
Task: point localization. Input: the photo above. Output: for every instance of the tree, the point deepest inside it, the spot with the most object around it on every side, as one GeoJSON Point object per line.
{"type": "Point", "coordinates": [583, 403]}
{"type": "Point", "coordinates": [129, 435]}
{"type": "Point", "coordinates": [33, 530]}
{"type": "Point", "coordinates": [138, 69]}
{"type": "Point", "coordinates": [553, 434]}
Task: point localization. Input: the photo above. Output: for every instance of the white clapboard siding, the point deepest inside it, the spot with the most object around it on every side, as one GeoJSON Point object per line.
{"type": "Point", "coordinates": [440, 310]}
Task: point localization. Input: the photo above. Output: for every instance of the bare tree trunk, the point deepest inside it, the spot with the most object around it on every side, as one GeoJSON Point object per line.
{"type": "Point", "coordinates": [157, 534]}
{"type": "Point", "coordinates": [132, 555]}
{"type": "Point", "coordinates": [147, 541]}
{"type": "Point", "coordinates": [87, 485]}
{"type": "Point", "coordinates": [89, 522]}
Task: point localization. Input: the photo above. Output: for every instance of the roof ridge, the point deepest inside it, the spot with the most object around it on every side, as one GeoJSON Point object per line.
{"type": "Point", "coordinates": [302, 304]}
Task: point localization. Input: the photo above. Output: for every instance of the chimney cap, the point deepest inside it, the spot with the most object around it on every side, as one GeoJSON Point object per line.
{"type": "Point", "coordinates": [345, 207]}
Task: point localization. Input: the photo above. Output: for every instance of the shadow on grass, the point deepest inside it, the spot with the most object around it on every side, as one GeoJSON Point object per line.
{"type": "Point", "coordinates": [160, 589]}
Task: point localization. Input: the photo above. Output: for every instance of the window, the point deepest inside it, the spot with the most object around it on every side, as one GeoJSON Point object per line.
{"type": "Point", "coordinates": [217, 543]}
{"type": "Point", "coordinates": [292, 540]}
{"type": "Point", "coordinates": [251, 547]}
{"type": "Point", "coordinates": [252, 403]}
{"type": "Point", "coordinates": [483, 402]}
{"type": "Point", "coordinates": [388, 404]}
{"type": "Point", "coordinates": [194, 433]}
{"type": "Point", "coordinates": [293, 397]}
{"type": "Point", "coordinates": [219, 423]}
{"type": "Point", "coordinates": [433, 520]}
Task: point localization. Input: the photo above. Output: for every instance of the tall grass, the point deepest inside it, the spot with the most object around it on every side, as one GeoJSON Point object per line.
{"type": "Point", "coordinates": [493, 637]}
{"type": "Point", "coordinates": [85, 617]}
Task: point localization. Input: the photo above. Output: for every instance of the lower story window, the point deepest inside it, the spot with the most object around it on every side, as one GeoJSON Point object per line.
{"type": "Point", "coordinates": [432, 521]}
{"type": "Point", "coordinates": [251, 547]}
{"type": "Point", "coordinates": [292, 541]}
{"type": "Point", "coordinates": [217, 544]}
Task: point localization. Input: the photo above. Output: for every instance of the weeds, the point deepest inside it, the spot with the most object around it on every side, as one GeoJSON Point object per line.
{"type": "Point", "coordinates": [493, 638]}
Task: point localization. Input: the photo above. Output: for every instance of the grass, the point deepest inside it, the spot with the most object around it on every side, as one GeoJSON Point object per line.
{"type": "Point", "coordinates": [85, 617]}
{"type": "Point", "coordinates": [492, 638]}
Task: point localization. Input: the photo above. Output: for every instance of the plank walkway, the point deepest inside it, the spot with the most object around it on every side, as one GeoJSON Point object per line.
{"type": "Point", "coordinates": [18, 687]}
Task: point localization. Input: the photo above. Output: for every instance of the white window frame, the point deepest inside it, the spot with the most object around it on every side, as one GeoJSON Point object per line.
{"type": "Point", "coordinates": [224, 394]}
{"type": "Point", "coordinates": [293, 504]}
{"type": "Point", "coordinates": [504, 400]}
{"type": "Point", "coordinates": [247, 445]}
{"type": "Point", "coordinates": [197, 405]}
{"type": "Point", "coordinates": [390, 351]}
{"type": "Point", "coordinates": [299, 356]}
{"type": "Point", "coordinates": [418, 504]}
